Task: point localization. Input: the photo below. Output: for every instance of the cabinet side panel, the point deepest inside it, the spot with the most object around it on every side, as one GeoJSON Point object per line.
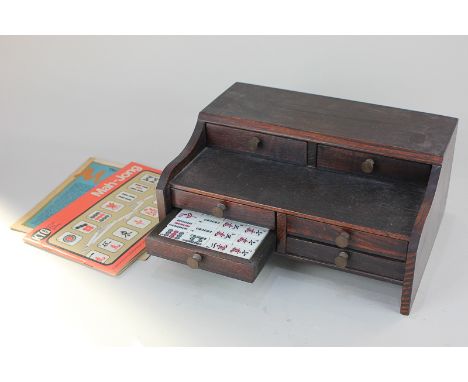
{"type": "Point", "coordinates": [163, 193]}
{"type": "Point", "coordinates": [426, 228]}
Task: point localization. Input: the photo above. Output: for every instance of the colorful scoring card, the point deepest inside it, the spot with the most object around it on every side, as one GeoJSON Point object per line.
{"type": "Point", "coordinates": [87, 176]}
{"type": "Point", "coordinates": [104, 228]}
{"type": "Point", "coordinates": [218, 234]}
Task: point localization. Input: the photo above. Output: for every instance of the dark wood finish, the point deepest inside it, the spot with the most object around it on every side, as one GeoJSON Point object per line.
{"type": "Point", "coordinates": [269, 146]}
{"type": "Point", "coordinates": [378, 129]}
{"type": "Point", "coordinates": [281, 232]}
{"type": "Point", "coordinates": [335, 158]}
{"type": "Point", "coordinates": [312, 154]}
{"type": "Point", "coordinates": [362, 241]}
{"type": "Point", "coordinates": [212, 261]}
{"type": "Point", "coordinates": [193, 147]}
{"type": "Point", "coordinates": [347, 185]}
{"type": "Point", "coordinates": [307, 260]}
{"type": "Point", "coordinates": [236, 211]}
{"type": "Point", "coordinates": [426, 228]}
{"type": "Point", "coordinates": [386, 208]}
{"type": "Point", "coordinates": [358, 261]}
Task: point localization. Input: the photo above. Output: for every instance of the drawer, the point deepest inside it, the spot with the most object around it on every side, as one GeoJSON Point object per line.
{"type": "Point", "coordinates": [346, 259]}
{"type": "Point", "coordinates": [201, 258]}
{"type": "Point", "coordinates": [222, 208]}
{"type": "Point", "coordinates": [266, 145]}
{"type": "Point", "coordinates": [357, 162]}
{"type": "Point", "coordinates": [346, 238]}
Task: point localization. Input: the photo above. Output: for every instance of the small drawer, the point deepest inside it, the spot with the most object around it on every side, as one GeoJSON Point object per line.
{"type": "Point", "coordinates": [201, 258]}
{"type": "Point", "coordinates": [269, 146]}
{"type": "Point", "coordinates": [346, 259]}
{"type": "Point", "coordinates": [346, 238]}
{"type": "Point", "coordinates": [357, 162]}
{"type": "Point", "coordinates": [221, 208]}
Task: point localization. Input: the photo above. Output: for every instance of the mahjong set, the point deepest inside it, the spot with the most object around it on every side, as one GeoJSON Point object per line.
{"type": "Point", "coordinates": [218, 234]}
{"type": "Point", "coordinates": [352, 186]}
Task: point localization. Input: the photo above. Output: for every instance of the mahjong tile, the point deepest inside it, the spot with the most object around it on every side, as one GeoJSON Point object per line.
{"type": "Point", "coordinates": [247, 241]}
{"type": "Point", "coordinates": [211, 221]}
{"type": "Point", "coordinates": [99, 216]}
{"type": "Point", "coordinates": [69, 238]}
{"type": "Point", "coordinates": [217, 245]}
{"type": "Point", "coordinates": [98, 256]}
{"type": "Point", "coordinates": [126, 196]}
{"type": "Point", "coordinates": [150, 211]}
{"type": "Point", "coordinates": [84, 227]}
{"type": "Point", "coordinates": [235, 250]}
{"type": "Point", "coordinates": [232, 225]}
{"type": "Point", "coordinates": [138, 187]}
{"type": "Point", "coordinates": [173, 233]}
{"type": "Point", "coordinates": [254, 231]}
{"type": "Point", "coordinates": [125, 233]}
{"type": "Point", "coordinates": [189, 215]}
{"type": "Point", "coordinates": [182, 223]}
{"type": "Point", "coordinates": [138, 222]}
{"type": "Point", "coordinates": [224, 235]}
{"type": "Point", "coordinates": [112, 206]}
{"type": "Point", "coordinates": [203, 229]}
{"type": "Point", "coordinates": [195, 239]}
{"type": "Point", "coordinates": [150, 178]}
{"type": "Point", "coordinates": [110, 245]}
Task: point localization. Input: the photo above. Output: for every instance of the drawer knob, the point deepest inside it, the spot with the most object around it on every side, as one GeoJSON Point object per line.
{"type": "Point", "coordinates": [218, 211]}
{"type": "Point", "coordinates": [342, 240]}
{"type": "Point", "coordinates": [367, 166]}
{"type": "Point", "coordinates": [194, 261]}
{"type": "Point", "coordinates": [342, 260]}
{"type": "Point", "coordinates": [254, 143]}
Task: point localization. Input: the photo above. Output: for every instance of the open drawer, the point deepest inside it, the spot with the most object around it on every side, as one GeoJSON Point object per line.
{"type": "Point", "coordinates": [194, 255]}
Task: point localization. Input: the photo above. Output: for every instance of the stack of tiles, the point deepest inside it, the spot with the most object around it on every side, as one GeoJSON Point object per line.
{"type": "Point", "coordinates": [218, 234]}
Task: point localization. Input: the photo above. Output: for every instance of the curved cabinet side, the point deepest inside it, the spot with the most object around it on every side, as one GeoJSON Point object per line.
{"type": "Point", "coordinates": [196, 143]}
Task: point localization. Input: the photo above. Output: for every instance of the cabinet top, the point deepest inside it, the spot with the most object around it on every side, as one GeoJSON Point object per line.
{"type": "Point", "coordinates": [383, 130]}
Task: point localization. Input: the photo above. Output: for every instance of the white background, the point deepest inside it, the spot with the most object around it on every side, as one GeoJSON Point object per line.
{"type": "Point", "coordinates": [63, 99]}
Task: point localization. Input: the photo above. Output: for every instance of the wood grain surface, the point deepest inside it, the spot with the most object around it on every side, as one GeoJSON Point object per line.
{"type": "Point", "coordinates": [363, 241]}
{"type": "Point", "coordinates": [338, 159]}
{"type": "Point", "coordinates": [343, 199]}
{"type": "Point", "coordinates": [385, 130]}
{"type": "Point", "coordinates": [359, 261]}
{"type": "Point", "coordinates": [270, 146]}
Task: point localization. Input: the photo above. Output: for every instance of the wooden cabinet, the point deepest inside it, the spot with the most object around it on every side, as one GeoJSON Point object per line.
{"type": "Point", "coordinates": [348, 185]}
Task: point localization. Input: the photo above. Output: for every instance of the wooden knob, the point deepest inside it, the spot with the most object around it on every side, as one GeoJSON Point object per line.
{"type": "Point", "coordinates": [342, 240]}
{"type": "Point", "coordinates": [254, 143]}
{"type": "Point", "coordinates": [194, 261]}
{"type": "Point", "coordinates": [218, 211]}
{"type": "Point", "coordinates": [367, 166]}
{"type": "Point", "coordinates": [342, 260]}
